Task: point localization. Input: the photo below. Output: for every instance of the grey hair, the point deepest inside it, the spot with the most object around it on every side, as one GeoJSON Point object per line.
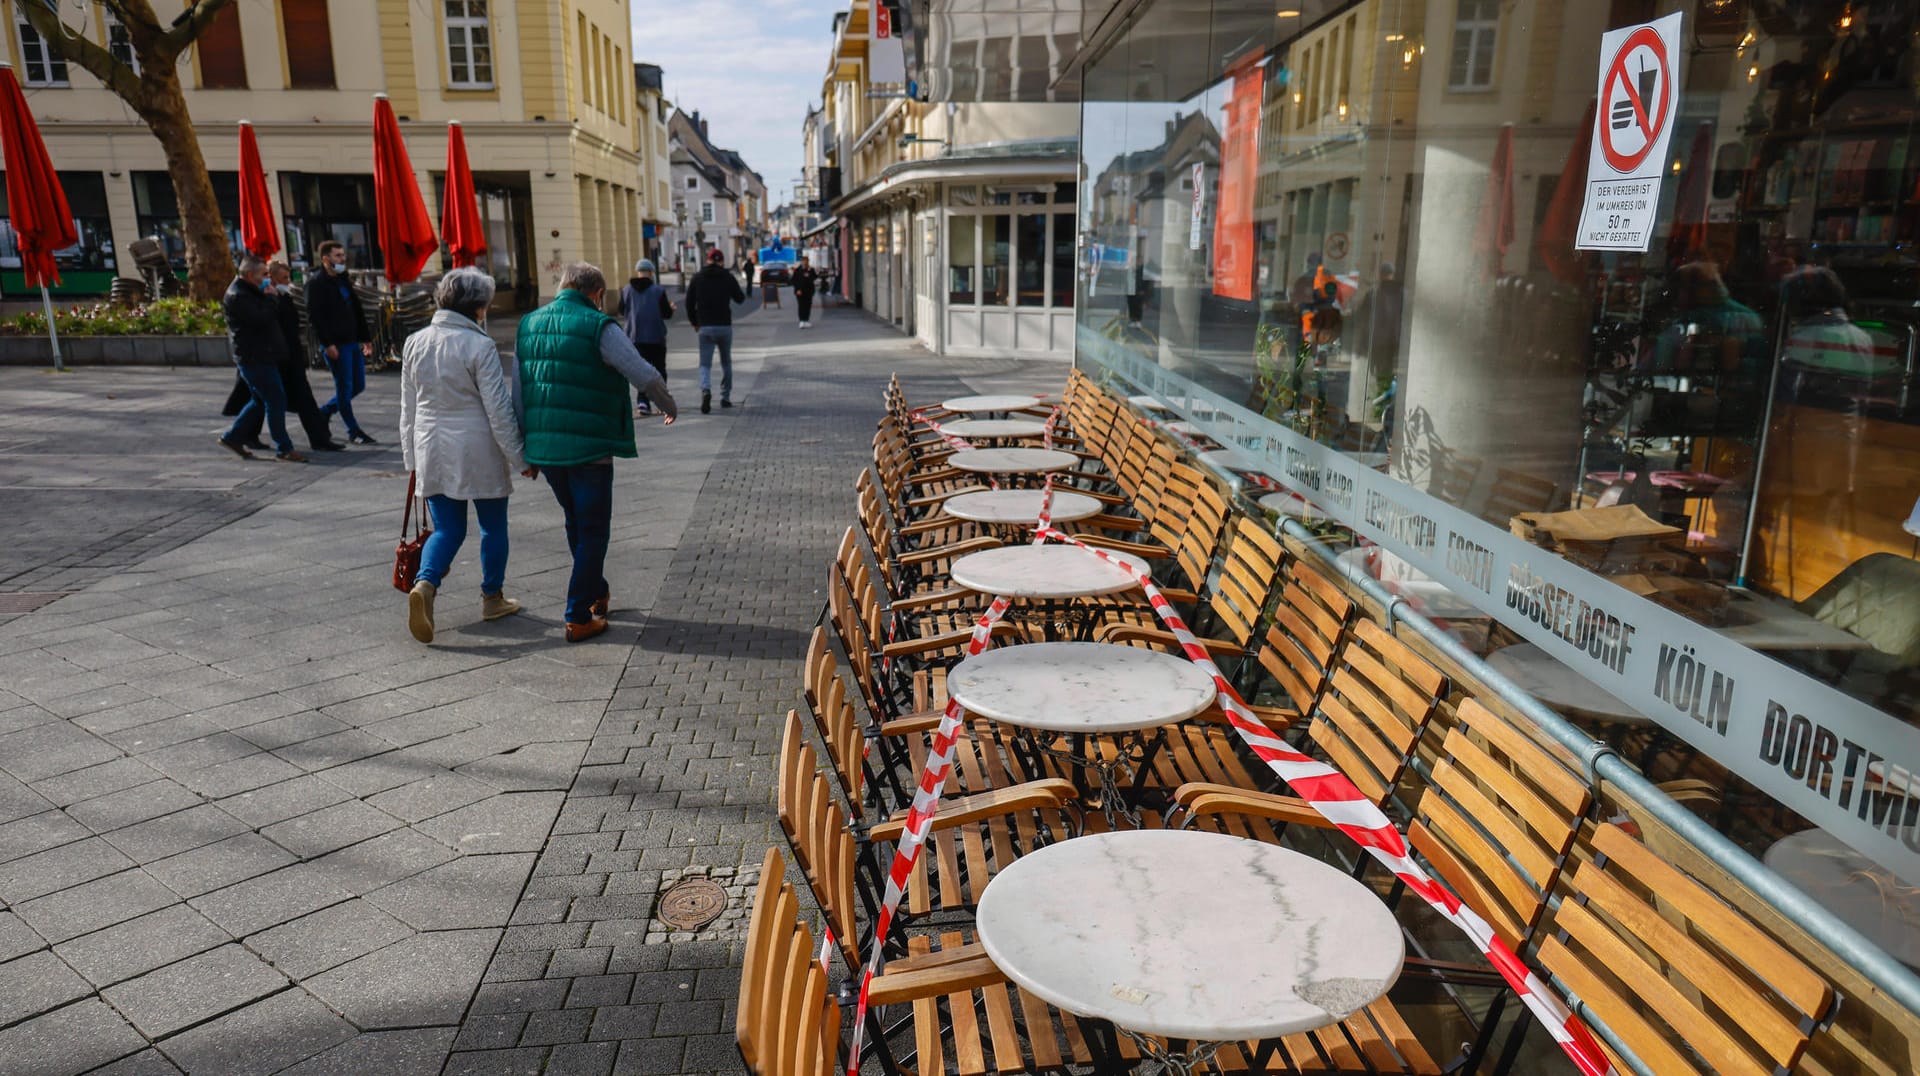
{"type": "Point", "coordinates": [252, 264]}
{"type": "Point", "coordinates": [583, 277]}
{"type": "Point", "coordinates": [464, 290]}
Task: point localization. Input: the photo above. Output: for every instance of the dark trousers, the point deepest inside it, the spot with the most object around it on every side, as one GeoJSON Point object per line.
{"type": "Point", "coordinates": [270, 399]}
{"type": "Point", "coordinates": [585, 493]}
{"type": "Point", "coordinates": [805, 303]}
{"type": "Point", "coordinates": [300, 401]}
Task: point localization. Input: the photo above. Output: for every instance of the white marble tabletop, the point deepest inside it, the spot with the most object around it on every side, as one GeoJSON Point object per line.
{"type": "Point", "coordinates": [1291, 504]}
{"type": "Point", "coordinates": [1011, 460]}
{"type": "Point", "coordinates": [995, 427]}
{"type": "Point", "coordinates": [1765, 623]}
{"type": "Point", "coordinates": [1081, 687]}
{"type": "Point", "coordinates": [1860, 892]}
{"type": "Point", "coordinates": [1018, 506]}
{"type": "Point", "coordinates": [1006, 402]}
{"type": "Point", "coordinates": [1190, 935]}
{"type": "Point", "coordinates": [1042, 571]}
{"type": "Point", "coordinates": [1541, 675]}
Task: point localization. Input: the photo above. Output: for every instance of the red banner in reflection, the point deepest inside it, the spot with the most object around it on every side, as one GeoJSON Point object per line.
{"type": "Point", "coordinates": [1233, 252]}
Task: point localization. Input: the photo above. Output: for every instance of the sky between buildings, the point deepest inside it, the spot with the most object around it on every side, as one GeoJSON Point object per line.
{"type": "Point", "coordinates": [750, 67]}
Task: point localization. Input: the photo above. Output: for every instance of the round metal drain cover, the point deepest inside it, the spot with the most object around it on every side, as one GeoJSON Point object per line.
{"type": "Point", "coordinates": [692, 903]}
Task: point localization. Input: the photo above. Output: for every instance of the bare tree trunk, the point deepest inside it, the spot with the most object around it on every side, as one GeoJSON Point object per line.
{"type": "Point", "coordinates": [209, 251]}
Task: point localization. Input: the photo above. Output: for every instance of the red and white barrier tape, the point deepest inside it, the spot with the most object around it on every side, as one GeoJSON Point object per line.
{"type": "Point", "coordinates": [926, 797]}
{"type": "Point", "coordinates": [1329, 792]}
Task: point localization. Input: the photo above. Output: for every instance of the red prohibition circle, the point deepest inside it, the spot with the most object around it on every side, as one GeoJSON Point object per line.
{"type": "Point", "coordinates": [1648, 37]}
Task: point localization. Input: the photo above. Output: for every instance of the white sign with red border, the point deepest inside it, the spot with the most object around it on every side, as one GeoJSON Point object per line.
{"type": "Point", "coordinates": [1639, 94]}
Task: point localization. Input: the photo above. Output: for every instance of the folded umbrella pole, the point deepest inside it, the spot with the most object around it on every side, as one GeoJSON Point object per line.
{"type": "Point", "coordinates": [42, 221]}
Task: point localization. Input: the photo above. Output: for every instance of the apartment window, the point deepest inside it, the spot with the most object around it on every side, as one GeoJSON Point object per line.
{"type": "Point", "coordinates": [1474, 27]}
{"type": "Point", "coordinates": [469, 45]}
{"type": "Point", "coordinates": [706, 212]}
{"type": "Point", "coordinates": [692, 183]}
{"type": "Point", "coordinates": [40, 67]}
{"type": "Point", "coordinates": [309, 44]}
{"type": "Point", "coordinates": [223, 60]}
{"type": "Point", "coordinates": [118, 41]}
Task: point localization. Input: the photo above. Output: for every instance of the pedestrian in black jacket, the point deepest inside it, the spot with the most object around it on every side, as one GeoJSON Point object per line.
{"type": "Point", "coordinates": [341, 327]}
{"type": "Point", "coordinates": [293, 370]}
{"type": "Point", "coordinates": [253, 331]}
{"type": "Point", "coordinates": [645, 311]}
{"type": "Point", "coordinates": [710, 298]}
{"type": "Point", "coordinates": [805, 282]}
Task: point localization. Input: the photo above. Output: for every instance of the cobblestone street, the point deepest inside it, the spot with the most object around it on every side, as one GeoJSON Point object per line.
{"type": "Point", "coordinates": [248, 825]}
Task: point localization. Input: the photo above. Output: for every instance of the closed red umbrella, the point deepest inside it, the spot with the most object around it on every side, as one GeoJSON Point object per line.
{"type": "Point", "coordinates": [36, 206]}
{"type": "Point", "coordinates": [1558, 230]}
{"type": "Point", "coordinates": [460, 222]}
{"type": "Point", "coordinates": [1494, 233]}
{"type": "Point", "coordinates": [405, 229]}
{"type": "Point", "coordinates": [259, 233]}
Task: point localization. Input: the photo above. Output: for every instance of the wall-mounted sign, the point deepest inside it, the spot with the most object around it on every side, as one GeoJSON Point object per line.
{"type": "Point", "coordinates": [1639, 94]}
{"type": "Point", "coordinates": [1199, 204]}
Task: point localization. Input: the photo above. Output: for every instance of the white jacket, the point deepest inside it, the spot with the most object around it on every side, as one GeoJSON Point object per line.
{"type": "Point", "coordinates": [458, 429]}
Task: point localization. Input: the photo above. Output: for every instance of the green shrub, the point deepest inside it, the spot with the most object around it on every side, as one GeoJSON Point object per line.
{"type": "Point", "coordinates": [162, 317]}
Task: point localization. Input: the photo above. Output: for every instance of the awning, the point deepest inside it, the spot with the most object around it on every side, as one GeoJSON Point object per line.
{"type": "Point", "coordinates": [820, 227]}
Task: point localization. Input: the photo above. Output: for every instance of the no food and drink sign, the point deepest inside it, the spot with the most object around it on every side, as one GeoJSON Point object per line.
{"type": "Point", "coordinates": [1639, 94]}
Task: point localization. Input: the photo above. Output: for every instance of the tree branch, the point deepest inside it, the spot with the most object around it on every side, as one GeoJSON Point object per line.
{"type": "Point", "coordinates": [175, 40]}
{"type": "Point", "coordinates": [77, 48]}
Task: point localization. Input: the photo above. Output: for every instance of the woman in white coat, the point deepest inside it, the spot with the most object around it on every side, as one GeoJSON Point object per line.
{"type": "Point", "coordinates": [462, 440]}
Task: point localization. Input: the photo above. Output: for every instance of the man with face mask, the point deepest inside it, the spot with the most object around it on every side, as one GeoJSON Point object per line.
{"type": "Point", "coordinates": [293, 369]}
{"type": "Point", "coordinates": [341, 327]}
{"type": "Point", "coordinates": [253, 331]}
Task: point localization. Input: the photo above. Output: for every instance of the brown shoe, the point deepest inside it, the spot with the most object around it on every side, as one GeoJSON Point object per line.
{"type": "Point", "coordinates": [495, 606]}
{"type": "Point", "coordinates": [580, 633]}
{"type": "Point", "coordinates": [599, 608]}
{"type": "Point", "coordinates": [291, 455]}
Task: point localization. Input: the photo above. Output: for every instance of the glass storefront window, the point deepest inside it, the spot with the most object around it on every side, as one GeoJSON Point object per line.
{"type": "Point", "coordinates": [1353, 227]}
{"type": "Point", "coordinates": [1063, 245]}
{"type": "Point", "coordinates": [1031, 241]}
{"type": "Point", "coordinates": [961, 259]}
{"type": "Point", "coordinates": [995, 250]}
{"type": "Point", "coordinates": [157, 213]}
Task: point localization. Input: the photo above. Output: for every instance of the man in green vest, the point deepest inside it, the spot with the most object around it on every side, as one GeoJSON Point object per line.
{"type": "Point", "coordinates": [575, 365]}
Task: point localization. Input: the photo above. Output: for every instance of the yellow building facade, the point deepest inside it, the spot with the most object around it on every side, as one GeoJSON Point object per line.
{"type": "Point", "coordinates": [567, 161]}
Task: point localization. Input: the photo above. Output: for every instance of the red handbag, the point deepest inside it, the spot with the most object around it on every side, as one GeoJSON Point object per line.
{"type": "Point", "coordinates": [406, 555]}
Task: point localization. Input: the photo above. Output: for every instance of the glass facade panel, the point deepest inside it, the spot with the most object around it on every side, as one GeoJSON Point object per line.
{"type": "Point", "coordinates": [1031, 244]}
{"type": "Point", "coordinates": [996, 234]}
{"type": "Point", "coordinates": [962, 258]}
{"type": "Point", "coordinates": [1346, 239]}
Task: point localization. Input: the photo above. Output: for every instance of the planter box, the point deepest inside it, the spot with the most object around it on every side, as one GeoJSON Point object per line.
{"type": "Point", "coordinates": [117, 351]}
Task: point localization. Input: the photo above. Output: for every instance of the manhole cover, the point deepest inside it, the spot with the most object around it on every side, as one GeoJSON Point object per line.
{"type": "Point", "coordinates": [27, 601]}
{"type": "Point", "coordinates": [692, 903]}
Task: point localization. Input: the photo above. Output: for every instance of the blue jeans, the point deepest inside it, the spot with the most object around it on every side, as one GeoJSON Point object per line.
{"type": "Point", "coordinates": [349, 371]}
{"type": "Point", "coordinates": [722, 337]}
{"type": "Point", "coordinates": [450, 530]}
{"type": "Point", "coordinates": [585, 493]}
{"type": "Point", "coordinates": [269, 395]}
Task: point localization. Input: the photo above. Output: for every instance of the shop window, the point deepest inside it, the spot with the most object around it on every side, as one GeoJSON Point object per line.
{"type": "Point", "coordinates": [962, 260]}
{"type": "Point", "coordinates": [996, 257]}
{"type": "Point", "coordinates": [1475, 25]}
{"type": "Point", "coordinates": [39, 66]}
{"type": "Point", "coordinates": [469, 45]}
{"type": "Point", "coordinates": [331, 206]}
{"type": "Point", "coordinates": [1030, 247]}
{"type": "Point", "coordinates": [157, 213]}
{"type": "Point", "coordinates": [223, 59]}
{"type": "Point", "coordinates": [118, 41]}
{"type": "Point", "coordinates": [1063, 247]}
{"type": "Point", "coordinates": [309, 44]}
{"type": "Point", "coordinates": [87, 196]}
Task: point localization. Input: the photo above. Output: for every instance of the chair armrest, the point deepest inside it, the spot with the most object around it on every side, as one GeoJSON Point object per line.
{"type": "Point", "coordinates": [909, 647]}
{"type": "Point", "coordinates": [971, 545]}
{"type": "Point", "coordinates": [934, 499]}
{"type": "Point", "coordinates": [1107, 521]}
{"type": "Point", "coordinates": [923, 601]}
{"type": "Point", "coordinates": [1277, 718]}
{"type": "Point", "coordinates": [897, 985]}
{"type": "Point", "coordinates": [1143, 550]}
{"type": "Point", "coordinates": [1135, 633]}
{"type": "Point", "coordinates": [929, 526]}
{"type": "Point", "coordinates": [924, 721]}
{"type": "Point", "coordinates": [1203, 798]}
{"type": "Point", "coordinates": [963, 810]}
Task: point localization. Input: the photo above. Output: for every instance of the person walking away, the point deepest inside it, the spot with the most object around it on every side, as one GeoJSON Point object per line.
{"type": "Point", "coordinates": [805, 282]}
{"type": "Point", "coordinates": [293, 369]}
{"type": "Point", "coordinates": [575, 365]}
{"type": "Point", "coordinates": [461, 439]}
{"type": "Point", "coordinates": [644, 312]}
{"type": "Point", "coordinates": [710, 296]}
{"type": "Point", "coordinates": [341, 327]}
{"type": "Point", "coordinates": [746, 271]}
{"type": "Point", "coordinates": [253, 331]}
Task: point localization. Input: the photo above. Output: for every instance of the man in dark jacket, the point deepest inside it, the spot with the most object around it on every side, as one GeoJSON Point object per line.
{"type": "Point", "coordinates": [334, 311]}
{"type": "Point", "coordinates": [253, 331]}
{"type": "Point", "coordinates": [293, 369]}
{"type": "Point", "coordinates": [710, 296]}
{"type": "Point", "coordinates": [805, 281]}
{"type": "Point", "coordinates": [644, 313]}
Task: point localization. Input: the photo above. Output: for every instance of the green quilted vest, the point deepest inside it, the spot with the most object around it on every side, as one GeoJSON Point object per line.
{"type": "Point", "coordinates": [574, 406]}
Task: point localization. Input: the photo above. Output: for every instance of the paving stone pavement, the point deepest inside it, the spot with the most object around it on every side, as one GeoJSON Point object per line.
{"type": "Point", "coordinates": [248, 825]}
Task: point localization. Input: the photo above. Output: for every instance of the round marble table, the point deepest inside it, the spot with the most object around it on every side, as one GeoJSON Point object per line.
{"type": "Point", "coordinates": [1541, 675]}
{"type": "Point", "coordinates": [1012, 460]}
{"type": "Point", "coordinates": [1148, 403]}
{"type": "Point", "coordinates": [1043, 571]}
{"type": "Point", "coordinates": [1858, 891]}
{"type": "Point", "coordinates": [1018, 507]}
{"type": "Point", "coordinates": [1291, 504]}
{"type": "Point", "coordinates": [1081, 687]}
{"type": "Point", "coordinates": [990, 404]}
{"type": "Point", "coordinates": [995, 427]}
{"type": "Point", "coordinates": [1110, 926]}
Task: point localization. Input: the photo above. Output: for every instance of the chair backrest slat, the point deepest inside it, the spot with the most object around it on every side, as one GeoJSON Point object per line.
{"type": "Point", "coordinates": [1309, 625]}
{"type": "Point", "coordinates": [1375, 708]}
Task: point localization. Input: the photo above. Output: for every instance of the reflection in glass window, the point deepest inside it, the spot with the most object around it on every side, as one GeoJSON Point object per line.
{"type": "Point", "coordinates": [1030, 246]}
{"type": "Point", "coordinates": [1471, 66]}
{"type": "Point", "coordinates": [996, 235]}
{"type": "Point", "coordinates": [962, 259]}
{"type": "Point", "coordinates": [1063, 274]}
